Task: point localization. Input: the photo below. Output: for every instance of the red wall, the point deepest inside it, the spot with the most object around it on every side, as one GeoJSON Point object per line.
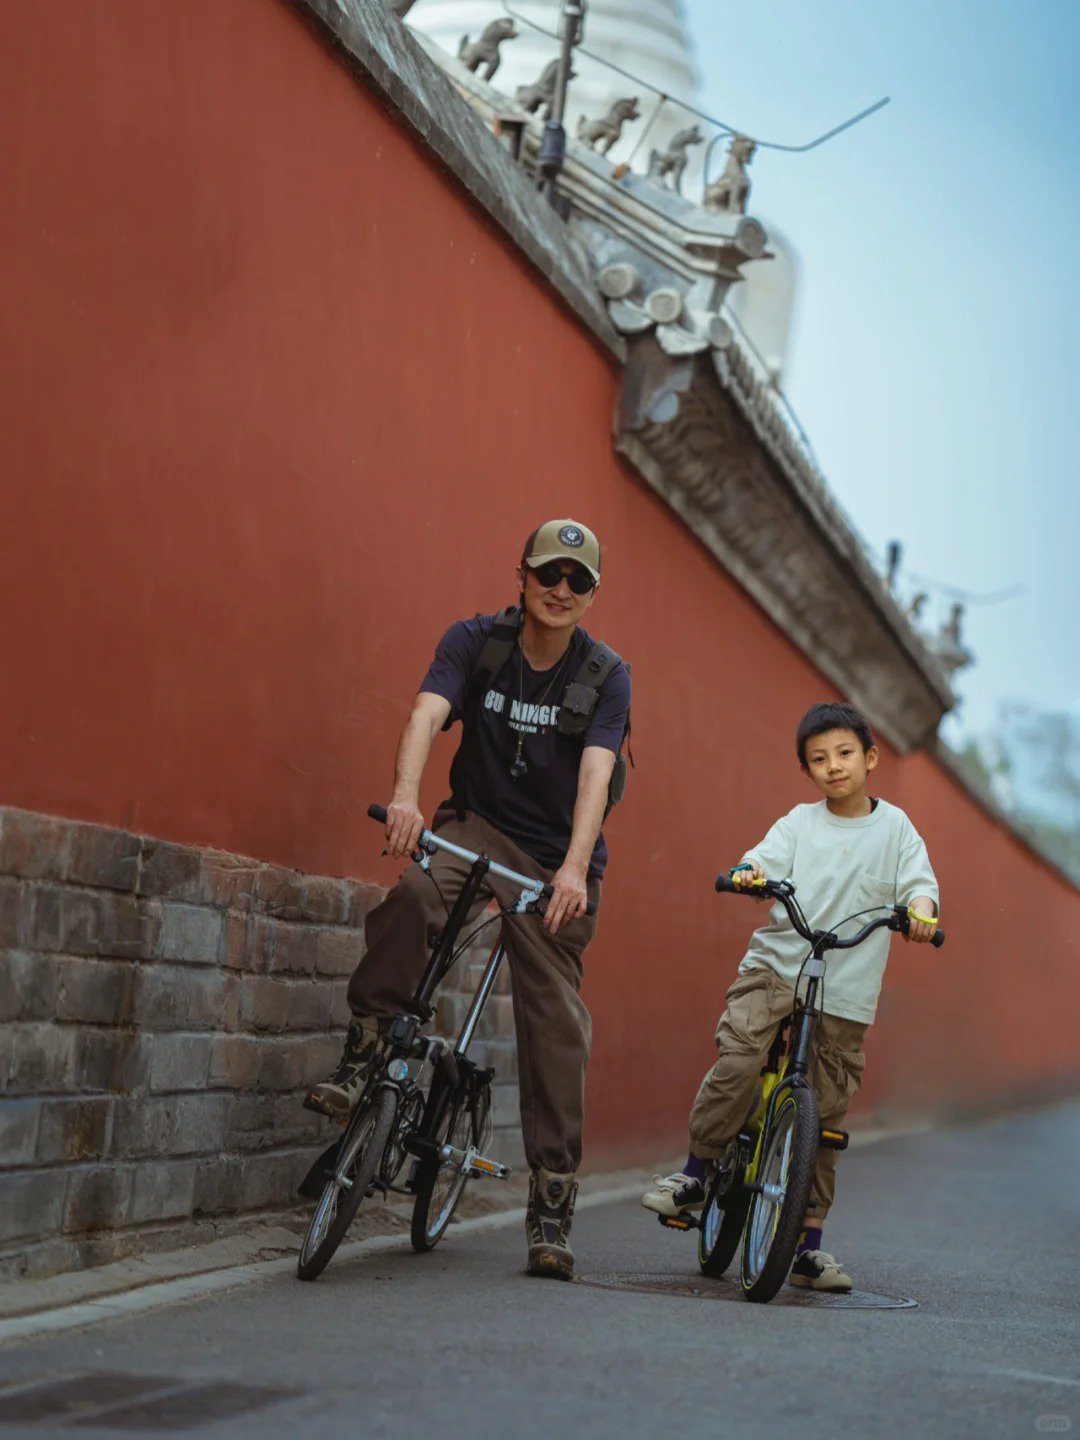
{"type": "Point", "coordinates": [277, 405]}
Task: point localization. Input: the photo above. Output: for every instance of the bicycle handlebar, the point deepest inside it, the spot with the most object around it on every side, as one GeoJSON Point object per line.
{"type": "Point", "coordinates": [784, 891]}
{"type": "Point", "coordinates": [430, 843]}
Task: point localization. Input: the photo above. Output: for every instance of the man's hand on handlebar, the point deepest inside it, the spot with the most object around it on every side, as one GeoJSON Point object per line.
{"type": "Point", "coordinates": [921, 932]}
{"type": "Point", "coordinates": [745, 875]}
{"type": "Point", "coordinates": [404, 823]}
{"type": "Point", "coordinates": [569, 896]}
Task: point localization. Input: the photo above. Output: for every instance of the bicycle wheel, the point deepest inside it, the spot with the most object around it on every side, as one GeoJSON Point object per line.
{"type": "Point", "coordinates": [778, 1210]}
{"type": "Point", "coordinates": [721, 1229]}
{"type": "Point", "coordinates": [358, 1164]}
{"type": "Point", "coordinates": [440, 1187]}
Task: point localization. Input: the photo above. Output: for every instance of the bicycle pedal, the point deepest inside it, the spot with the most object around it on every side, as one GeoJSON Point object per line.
{"type": "Point", "coordinates": [683, 1221]}
{"type": "Point", "coordinates": [478, 1165]}
{"type": "Point", "coordinates": [833, 1139]}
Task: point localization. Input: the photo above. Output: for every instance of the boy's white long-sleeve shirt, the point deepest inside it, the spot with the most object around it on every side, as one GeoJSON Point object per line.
{"type": "Point", "coordinates": [839, 867]}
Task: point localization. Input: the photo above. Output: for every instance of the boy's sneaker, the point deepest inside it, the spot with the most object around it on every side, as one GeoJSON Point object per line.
{"type": "Point", "coordinates": [815, 1270]}
{"type": "Point", "coordinates": [673, 1193]}
{"type": "Point", "coordinates": [337, 1096]}
{"type": "Point", "coordinates": [547, 1224]}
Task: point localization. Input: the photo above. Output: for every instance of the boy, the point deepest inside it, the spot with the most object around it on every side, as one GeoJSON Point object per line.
{"type": "Point", "coordinates": [846, 853]}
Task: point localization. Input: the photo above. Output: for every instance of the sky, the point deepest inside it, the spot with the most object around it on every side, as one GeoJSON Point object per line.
{"type": "Point", "coordinates": [936, 353]}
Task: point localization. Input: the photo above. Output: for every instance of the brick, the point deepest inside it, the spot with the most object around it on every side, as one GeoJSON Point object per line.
{"type": "Point", "coordinates": [262, 940]}
{"type": "Point", "coordinates": [64, 919]}
{"type": "Point", "coordinates": [98, 991]}
{"type": "Point", "coordinates": [35, 847]}
{"type": "Point", "coordinates": [143, 1126]}
{"type": "Point", "coordinates": [199, 1124]}
{"type": "Point", "coordinates": [218, 1188]}
{"type": "Point", "coordinates": [97, 1198]}
{"type": "Point", "coordinates": [293, 1125]}
{"type": "Point", "coordinates": [502, 1057]}
{"type": "Point", "coordinates": [362, 899]}
{"type": "Point", "coordinates": [228, 881]}
{"type": "Point", "coordinates": [294, 949]}
{"type": "Point", "coordinates": [162, 1191]}
{"type": "Point", "coordinates": [250, 1123]}
{"type": "Point", "coordinates": [312, 1006]}
{"type": "Point", "coordinates": [191, 933]}
{"type": "Point", "coordinates": [270, 1179]}
{"type": "Point", "coordinates": [505, 1105]}
{"type": "Point", "coordinates": [180, 1061]}
{"type": "Point", "coordinates": [239, 930]}
{"type": "Point", "coordinates": [36, 1058]}
{"type": "Point", "coordinates": [102, 857]}
{"type": "Point", "coordinates": [325, 901]}
{"type": "Point", "coordinates": [27, 986]}
{"type": "Point", "coordinates": [130, 927]}
{"type": "Point", "coordinates": [498, 1018]}
{"type": "Point", "coordinates": [181, 997]}
{"type": "Point", "coordinates": [14, 908]}
{"type": "Point", "coordinates": [168, 870]}
{"type": "Point", "coordinates": [338, 952]}
{"type": "Point", "coordinates": [113, 1060]}
{"type": "Point", "coordinates": [266, 1003]}
{"type": "Point", "coordinates": [18, 1131]}
{"type": "Point", "coordinates": [75, 1129]}
{"type": "Point", "coordinates": [31, 1203]}
{"type": "Point", "coordinates": [279, 892]}
{"type": "Point", "coordinates": [235, 1060]}
{"type": "Point", "coordinates": [282, 1066]}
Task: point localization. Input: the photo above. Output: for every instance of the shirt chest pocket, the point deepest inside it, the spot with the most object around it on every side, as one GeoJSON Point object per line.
{"type": "Point", "coordinates": [876, 890]}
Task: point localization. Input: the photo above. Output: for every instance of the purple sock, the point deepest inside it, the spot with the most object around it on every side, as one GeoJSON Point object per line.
{"type": "Point", "coordinates": [810, 1239]}
{"type": "Point", "coordinates": [694, 1169]}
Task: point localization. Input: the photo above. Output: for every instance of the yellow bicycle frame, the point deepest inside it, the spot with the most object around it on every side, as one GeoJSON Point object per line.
{"type": "Point", "coordinates": [769, 1083]}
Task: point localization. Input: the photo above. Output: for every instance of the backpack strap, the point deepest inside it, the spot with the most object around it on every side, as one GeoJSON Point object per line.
{"type": "Point", "coordinates": [582, 693]}
{"type": "Point", "coordinates": [497, 648]}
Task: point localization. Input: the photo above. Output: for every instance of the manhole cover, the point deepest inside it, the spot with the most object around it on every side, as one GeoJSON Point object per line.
{"type": "Point", "coordinates": [131, 1402]}
{"type": "Point", "coordinates": [696, 1287]}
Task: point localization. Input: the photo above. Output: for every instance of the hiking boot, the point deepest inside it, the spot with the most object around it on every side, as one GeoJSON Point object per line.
{"type": "Point", "coordinates": [672, 1194]}
{"type": "Point", "coordinates": [815, 1270]}
{"type": "Point", "coordinates": [547, 1224]}
{"type": "Point", "coordinates": [337, 1096]}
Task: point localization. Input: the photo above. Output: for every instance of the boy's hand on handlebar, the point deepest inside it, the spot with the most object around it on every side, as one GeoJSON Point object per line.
{"type": "Point", "coordinates": [404, 823]}
{"type": "Point", "coordinates": [744, 878]}
{"type": "Point", "coordinates": [919, 931]}
{"type": "Point", "coordinates": [569, 896]}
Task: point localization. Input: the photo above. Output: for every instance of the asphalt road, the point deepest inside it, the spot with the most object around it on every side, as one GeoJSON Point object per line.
{"type": "Point", "coordinates": [978, 1224]}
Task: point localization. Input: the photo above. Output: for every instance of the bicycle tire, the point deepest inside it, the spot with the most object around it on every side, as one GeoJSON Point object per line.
{"type": "Point", "coordinates": [720, 1231]}
{"type": "Point", "coordinates": [359, 1161]}
{"type": "Point", "coordinates": [461, 1125]}
{"type": "Point", "coordinates": [796, 1116]}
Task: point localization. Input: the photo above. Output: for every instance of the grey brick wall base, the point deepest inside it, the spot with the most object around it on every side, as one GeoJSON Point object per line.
{"type": "Point", "coordinates": [163, 1010]}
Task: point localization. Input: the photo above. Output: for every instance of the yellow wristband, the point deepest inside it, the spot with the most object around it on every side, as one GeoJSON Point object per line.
{"type": "Point", "coordinates": [922, 919]}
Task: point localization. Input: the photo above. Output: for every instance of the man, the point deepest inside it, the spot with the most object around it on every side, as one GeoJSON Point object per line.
{"type": "Point", "coordinates": [532, 798]}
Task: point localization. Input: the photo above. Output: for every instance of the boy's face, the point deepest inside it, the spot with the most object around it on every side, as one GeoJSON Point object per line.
{"type": "Point", "coordinates": [837, 763]}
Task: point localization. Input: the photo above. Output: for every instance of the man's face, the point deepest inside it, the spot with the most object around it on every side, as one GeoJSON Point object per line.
{"type": "Point", "coordinates": [555, 607]}
{"type": "Point", "coordinates": [837, 763]}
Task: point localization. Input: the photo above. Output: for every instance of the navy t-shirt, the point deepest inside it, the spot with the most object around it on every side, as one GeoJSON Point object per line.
{"type": "Point", "coordinates": [536, 811]}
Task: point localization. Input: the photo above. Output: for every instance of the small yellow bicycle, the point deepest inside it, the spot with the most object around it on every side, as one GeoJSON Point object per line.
{"type": "Point", "coordinates": [759, 1193]}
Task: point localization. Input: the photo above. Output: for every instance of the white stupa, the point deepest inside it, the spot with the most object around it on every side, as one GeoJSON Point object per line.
{"type": "Point", "coordinates": [650, 40]}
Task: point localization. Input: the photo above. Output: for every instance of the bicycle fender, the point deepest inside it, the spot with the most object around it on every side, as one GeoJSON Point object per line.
{"type": "Point", "coordinates": [311, 1187]}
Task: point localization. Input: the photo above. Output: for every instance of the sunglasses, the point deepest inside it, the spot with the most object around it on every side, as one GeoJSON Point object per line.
{"type": "Point", "coordinates": [579, 580]}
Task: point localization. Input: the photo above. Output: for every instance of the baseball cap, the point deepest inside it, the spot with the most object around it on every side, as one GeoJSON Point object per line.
{"type": "Point", "coordinates": [563, 540]}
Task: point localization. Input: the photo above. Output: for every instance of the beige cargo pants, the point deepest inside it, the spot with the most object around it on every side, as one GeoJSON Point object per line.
{"type": "Point", "coordinates": [756, 1004]}
{"type": "Point", "coordinates": [553, 1026]}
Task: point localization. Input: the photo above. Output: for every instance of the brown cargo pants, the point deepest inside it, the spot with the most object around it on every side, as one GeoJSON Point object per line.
{"type": "Point", "coordinates": [756, 1004]}
{"type": "Point", "coordinates": [552, 1023]}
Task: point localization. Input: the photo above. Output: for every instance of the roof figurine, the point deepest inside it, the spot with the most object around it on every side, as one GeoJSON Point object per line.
{"type": "Point", "coordinates": [730, 190]}
{"type": "Point", "coordinates": [478, 54]}
{"type": "Point", "coordinates": [604, 132]}
{"type": "Point", "coordinates": [541, 92]}
{"type": "Point", "coordinates": [667, 166]}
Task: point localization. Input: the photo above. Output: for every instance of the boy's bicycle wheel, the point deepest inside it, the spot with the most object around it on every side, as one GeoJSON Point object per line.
{"type": "Point", "coordinates": [721, 1228]}
{"type": "Point", "coordinates": [439, 1187]}
{"type": "Point", "coordinates": [357, 1165]}
{"type": "Point", "coordinates": [778, 1208]}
